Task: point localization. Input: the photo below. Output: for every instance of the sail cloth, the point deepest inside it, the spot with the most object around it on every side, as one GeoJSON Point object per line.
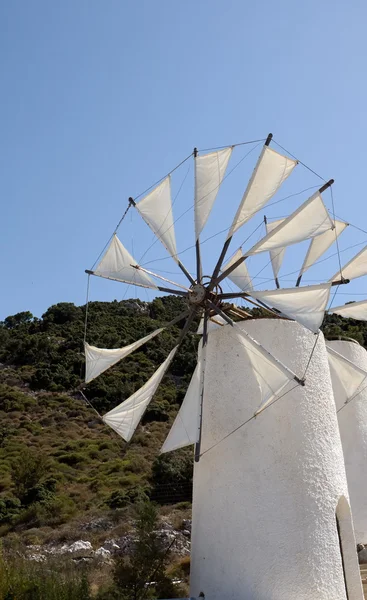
{"type": "Point", "coordinates": [270, 374]}
{"type": "Point", "coordinates": [271, 170]}
{"type": "Point", "coordinates": [349, 375]}
{"type": "Point", "coordinates": [276, 256]}
{"type": "Point", "coordinates": [306, 305]}
{"type": "Point", "coordinates": [239, 276]}
{"type": "Point", "coordinates": [116, 264]}
{"type": "Point", "coordinates": [185, 428]}
{"type": "Point", "coordinates": [356, 267]}
{"type": "Point", "coordinates": [309, 220]}
{"type": "Point", "coordinates": [352, 310]}
{"type": "Point", "coordinates": [156, 210]}
{"type": "Point", "coordinates": [125, 418]}
{"type": "Point", "coordinates": [209, 172]}
{"type": "Point", "coordinates": [98, 360]}
{"type": "Point", "coordinates": [320, 244]}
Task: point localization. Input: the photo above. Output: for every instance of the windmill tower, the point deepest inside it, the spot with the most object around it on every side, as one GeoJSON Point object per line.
{"type": "Point", "coordinates": [271, 514]}
{"type": "Point", "coordinates": [350, 391]}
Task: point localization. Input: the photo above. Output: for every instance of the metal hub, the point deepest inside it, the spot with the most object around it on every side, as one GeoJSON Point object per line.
{"type": "Point", "coordinates": [197, 294]}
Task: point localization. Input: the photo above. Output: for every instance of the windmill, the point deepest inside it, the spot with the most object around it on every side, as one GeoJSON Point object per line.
{"type": "Point", "coordinates": [280, 360]}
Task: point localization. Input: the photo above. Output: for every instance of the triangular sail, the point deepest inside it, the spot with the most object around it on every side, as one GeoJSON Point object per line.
{"type": "Point", "coordinates": [276, 256]}
{"type": "Point", "coordinates": [270, 374]}
{"type": "Point", "coordinates": [320, 244]}
{"type": "Point", "coordinates": [346, 372]}
{"type": "Point", "coordinates": [306, 305]}
{"type": "Point", "coordinates": [271, 170]}
{"type": "Point", "coordinates": [185, 428]}
{"type": "Point", "coordinates": [116, 264]}
{"type": "Point", "coordinates": [156, 210]}
{"type": "Point", "coordinates": [239, 276]}
{"type": "Point", "coordinates": [352, 310]}
{"type": "Point", "coordinates": [309, 220]}
{"type": "Point", "coordinates": [356, 267]}
{"type": "Point", "coordinates": [98, 360]}
{"type": "Point", "coordinates": [125, 418]}
{"type": "Point", "coordinates": [209, 172]}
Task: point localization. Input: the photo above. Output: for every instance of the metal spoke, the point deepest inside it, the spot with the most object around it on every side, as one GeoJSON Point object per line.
{"type": "Point", "coordinates": [139, 268]}
{"type": "Point", "coordinates": [170, 291]}
{"type": "Point", "coordinates": [185, 271]}
{"type": "Point", "coordinates": [203, 352]}
{"type": "Point", "coordinates": [199, 272]}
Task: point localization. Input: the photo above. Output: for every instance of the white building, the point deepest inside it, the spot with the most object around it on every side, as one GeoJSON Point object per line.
{"type": "Point", "coordinates": [271, 518]}
{"type": "Point", "coordinates": [353, 432]}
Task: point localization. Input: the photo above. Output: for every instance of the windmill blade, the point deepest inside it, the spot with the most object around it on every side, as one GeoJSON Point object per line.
{"type": "Point", "coordinates": [309, 220]}
{"type": "Point", "coordinates": [270, 172]}
{"type": "Point", "coordinates": [306, 305]}
{"type": "Point", "coordinates": [209, 172]}
{"type": "Point", "coordinates": [139, 268]}
{"type": "Point", "coordinates": [240, 276]}
{"type": "Point", "coordinates": [185, 428]}
{"type": "Point", "coordinates": [125, 417]}
{"type": "Point", "coordinates": [98, 360]}
{"type": "Point", "coordinates": [352, 310]}
{"type": "Point", "coordinates": [156, 210]}
{"type": "Point", "coordinates": [319, 245]}
{"type": "Point", "coordinates": [116, 264]}
{"type": "Point", "coordinates": [346, 372]}
{"type": "Point", "coordinates": [276, 256]}
{"type": "Point", "coordinates": [356, 267]}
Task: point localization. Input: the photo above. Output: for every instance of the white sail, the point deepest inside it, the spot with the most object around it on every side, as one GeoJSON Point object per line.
{"type": "Point", "coordinates": [352, 310]}
{"type": "Point", "coordinates": [98, 360]}
{"type": "Point", "coordinates": [185, 428]}
{"type": "Point", "coordinates": [306, 305]}
{"type": "Point", "coordinates": [156, 210]}
{"type": "Point", "coordinates": [213, 323]}
{"type": "Point", "coordinates": [356, 267]}
{"type": "Point", "coordinates": [346, 372]}
{"type": "Point", "coordinates": [239, 276]}
{"type": "Point", "coordinates": [270, 374]}
{"type": "Point", "coordinates": [209, 173]}
{"type": "Point", "coordinates": [125, 418]}
{"type": "Point", "coordinates": [309, 220]}
{"type": "Point", "coordinates": [321, 243]}
{"type": "Point", "coordinates": [271, 170]}
{"type": "Point", "coordinates": [116, 264]}
{"type": "Point", "coordinates": [276, 256]}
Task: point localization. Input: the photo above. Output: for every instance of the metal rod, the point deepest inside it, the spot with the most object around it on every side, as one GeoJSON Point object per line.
{"type": "Point", "coordinates": [219, 264]}
{"type": "Point", "coordinates": [199, 272]}
{"type": "Point", "coordinates": [228, 271]}
{"type": "Point", "coordinates": [190, 318]}
{"type": "Point", "coordinates": [299, 280]}
{"type": "Point", "coordinates": [326, 185]}
{"type": "Point", "coordinates": [220, 312]}
{"type": "Point", "coordinates": [184, 270]}
{"type": "Point", "coordinates": [203, 358]}
{"type": "Point", "coordinates": [170, 291]}
{"type": "Point", "coordinates": [277, 282]}
{"type": "Point", "coordinates": [340, 282]}
{"type": "Point", "coordinates": [268, 139]}
{"type": "Point", "coordinates": [139, 268]}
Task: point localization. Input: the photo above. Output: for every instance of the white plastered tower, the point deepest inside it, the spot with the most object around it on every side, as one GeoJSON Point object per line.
{"type": "Point", "coordinates": [266, 497]}
{"type": "Point", "coordinates": [353, 431]}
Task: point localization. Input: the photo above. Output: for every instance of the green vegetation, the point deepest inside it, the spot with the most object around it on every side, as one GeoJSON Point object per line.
{"type": "Point", "coordinates": [58, 461]}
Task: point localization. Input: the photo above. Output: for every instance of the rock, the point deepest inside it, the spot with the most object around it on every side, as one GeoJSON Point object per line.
{"type": "Point", "coordinates": [112, 546]}
{"type": "Point", "coordinates": [102, 553]}
{"type": "Point", "coordinates": [362, 556]}
{"type": "Point", "coordinates": [186, 533]}
{"type": "Point", "coordinates": [186, 524]}
{"type": "Point", "coordinates": [99, 524]}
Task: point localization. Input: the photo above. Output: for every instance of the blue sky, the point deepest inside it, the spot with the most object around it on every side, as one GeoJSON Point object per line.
{"type": "Point", "coordinates": [101, 99]}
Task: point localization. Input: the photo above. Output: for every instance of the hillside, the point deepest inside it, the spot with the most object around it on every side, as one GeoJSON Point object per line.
{"type": "Point", "coordinates": [58, 463]}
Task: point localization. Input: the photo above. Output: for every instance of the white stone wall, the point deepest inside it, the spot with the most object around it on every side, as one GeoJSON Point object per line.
{"type": "Point", "coordinates": [353, 431]}
{"type": "Point", "coordinates": [265, 498]}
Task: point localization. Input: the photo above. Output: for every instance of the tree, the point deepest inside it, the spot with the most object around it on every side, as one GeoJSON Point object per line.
{"type": "Point", "coordinates": [21, 318]}
{"type": "Point", "coordinates": [142, 575]}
